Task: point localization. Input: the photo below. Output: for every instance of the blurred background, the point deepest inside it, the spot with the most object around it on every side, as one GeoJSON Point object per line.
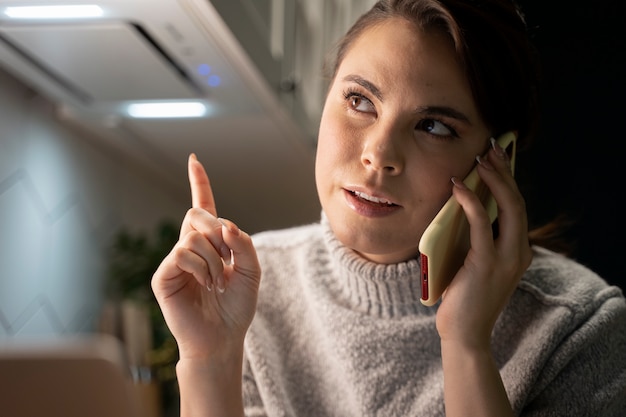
{"type": "Point", "coordinates": [91, 193]}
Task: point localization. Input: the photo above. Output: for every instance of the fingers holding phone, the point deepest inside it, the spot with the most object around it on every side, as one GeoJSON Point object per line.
{"type": "Point", "coordinates": [446, 241]}
{"type": "Point", "coordinates": [492, 267]}
{"type": "Point", "coordinates": [511, 206]}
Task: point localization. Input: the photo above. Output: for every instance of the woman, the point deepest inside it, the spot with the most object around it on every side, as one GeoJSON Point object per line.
{"type": "Point", "coordinates": [336, 326]}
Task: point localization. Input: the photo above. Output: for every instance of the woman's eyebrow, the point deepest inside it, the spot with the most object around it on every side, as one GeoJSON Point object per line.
{"type": "Point", "coordinates": [368, 85]}
{"type": "Point", "coordinates": [443, 111]}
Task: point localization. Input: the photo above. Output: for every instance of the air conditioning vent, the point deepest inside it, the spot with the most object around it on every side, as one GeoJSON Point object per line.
{"type": "Point", "coordinates": [106, 62]}
{"type": "Point", "coordinates": [59, 79]}
{"type": "Point", "coordinates": [167, 57]}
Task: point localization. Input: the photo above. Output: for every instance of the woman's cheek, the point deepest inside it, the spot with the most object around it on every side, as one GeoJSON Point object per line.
{"type": "Point", "coordinates": [334, 143]}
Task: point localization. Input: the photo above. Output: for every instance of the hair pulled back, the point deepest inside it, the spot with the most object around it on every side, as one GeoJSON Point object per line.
{"type": "Point", "coordinates": [492, 46]}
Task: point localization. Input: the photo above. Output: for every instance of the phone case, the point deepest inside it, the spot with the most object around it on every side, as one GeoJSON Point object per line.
{"type": "Point", "coordinates": [446, 241]}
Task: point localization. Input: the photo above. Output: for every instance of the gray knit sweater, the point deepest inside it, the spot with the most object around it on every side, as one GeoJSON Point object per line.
{"type": "Point", "coordinates": [336, 335]}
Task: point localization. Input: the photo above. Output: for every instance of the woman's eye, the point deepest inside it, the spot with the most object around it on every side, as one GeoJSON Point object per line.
{"type": "Point", "coordinates": [435, 127]}
{"type": "Point", "coordinates": [360, 103]}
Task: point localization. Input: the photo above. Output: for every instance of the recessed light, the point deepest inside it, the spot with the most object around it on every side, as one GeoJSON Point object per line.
{"type": "Point", "coordinates": [54, 12]}
{"type": "Point", "coordinates": [167, 110]}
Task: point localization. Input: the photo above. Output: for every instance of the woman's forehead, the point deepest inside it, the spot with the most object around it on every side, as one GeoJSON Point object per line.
{"type": "Point", "coordinates": [401, 39]}
{"type": "Point", "coordinates": [397, 51]}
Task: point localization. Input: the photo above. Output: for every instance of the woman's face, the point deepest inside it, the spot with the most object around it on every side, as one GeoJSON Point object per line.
{"type": "Point", "coordinates": [398, 123]}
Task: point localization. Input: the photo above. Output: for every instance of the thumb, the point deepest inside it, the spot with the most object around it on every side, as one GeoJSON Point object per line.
{"type": "Point", "coordinates": [201, 192]}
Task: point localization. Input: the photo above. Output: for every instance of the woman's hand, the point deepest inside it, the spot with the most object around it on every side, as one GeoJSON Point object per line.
{"type": "Point", "coordinates": [480, 291]}
{"type": "Point", "coordinates": [208, 302]}
{"type": "Point", "coordinates": [492, 269]}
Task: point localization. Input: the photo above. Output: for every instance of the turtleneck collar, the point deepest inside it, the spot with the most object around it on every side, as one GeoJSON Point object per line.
{"type": "Point", "coordinates": [384, 290]}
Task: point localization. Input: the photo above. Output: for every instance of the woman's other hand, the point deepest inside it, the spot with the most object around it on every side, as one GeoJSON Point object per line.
{"type": "Point", "coordinates": [207, 285]}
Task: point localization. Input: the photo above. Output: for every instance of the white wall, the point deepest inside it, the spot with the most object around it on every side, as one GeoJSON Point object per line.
{"type": "Point", "coordinates": [319, 26]}
{"type": "Point", "coordinates": [63, 196]}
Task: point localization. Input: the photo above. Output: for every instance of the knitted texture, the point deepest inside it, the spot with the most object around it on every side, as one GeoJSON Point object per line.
{"type": "Point", "coordinates": [337, 335]}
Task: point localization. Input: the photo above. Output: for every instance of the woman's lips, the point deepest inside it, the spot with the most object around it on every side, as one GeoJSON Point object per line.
{"type": "Point", "coordinates": [369, 206]}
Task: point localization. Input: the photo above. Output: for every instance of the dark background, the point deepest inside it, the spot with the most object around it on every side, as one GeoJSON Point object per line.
{"type": "Point", "coordinates": [577, 164]}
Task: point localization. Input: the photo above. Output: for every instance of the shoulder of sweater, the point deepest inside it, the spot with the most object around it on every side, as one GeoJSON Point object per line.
{"type": "Point", "coordinates": [554, 279]}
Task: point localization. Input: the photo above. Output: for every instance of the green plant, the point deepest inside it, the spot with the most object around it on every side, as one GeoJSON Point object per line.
{"type": "Point", "coordinates": [133, 259]}
{"type": "Point", "coordinates": [135, 256]}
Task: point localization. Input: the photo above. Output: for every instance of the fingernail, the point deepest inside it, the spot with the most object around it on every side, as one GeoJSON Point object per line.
{"type": "Point", "coordinates": [458, 183]}
{"type": "Point", "coordinates": [498, 149]}
{"type": "Point", "coordinates": [482, 161]}
{"type": "Point", "coordinates": [221, 285]}
{"type": "Point", "coordinates": [209, 286]}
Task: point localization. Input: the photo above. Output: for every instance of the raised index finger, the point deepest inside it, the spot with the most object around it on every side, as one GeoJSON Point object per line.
{"type": "Point", "coordinates": [201, 193]}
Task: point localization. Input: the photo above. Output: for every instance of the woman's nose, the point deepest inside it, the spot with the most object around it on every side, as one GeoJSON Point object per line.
{"type": "Point", "coordinates": [381, 152]}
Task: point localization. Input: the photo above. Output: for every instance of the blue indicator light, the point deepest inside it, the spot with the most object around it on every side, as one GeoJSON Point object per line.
{"type": "Point", "coordinates": [214, 81]}
{"type": "Point", "coordinates": [204, 69]}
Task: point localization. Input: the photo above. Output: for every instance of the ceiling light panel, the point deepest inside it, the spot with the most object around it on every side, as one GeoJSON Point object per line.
{"type": "Point", "coordinates": [84, 11]}
{"type": "Point", "coordinates": [166, 110]}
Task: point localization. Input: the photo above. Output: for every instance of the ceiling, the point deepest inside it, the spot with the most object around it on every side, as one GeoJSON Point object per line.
{"type": "Point", "coordinates": [259, 159]}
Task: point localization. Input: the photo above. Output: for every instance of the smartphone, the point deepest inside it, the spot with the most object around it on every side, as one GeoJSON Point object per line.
{"type": "Point", "coordinates": [445, 242]}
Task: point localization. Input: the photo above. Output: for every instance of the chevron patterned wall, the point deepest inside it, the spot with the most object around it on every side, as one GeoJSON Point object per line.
{"type": "Point", "coordinates": [61, 200]}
